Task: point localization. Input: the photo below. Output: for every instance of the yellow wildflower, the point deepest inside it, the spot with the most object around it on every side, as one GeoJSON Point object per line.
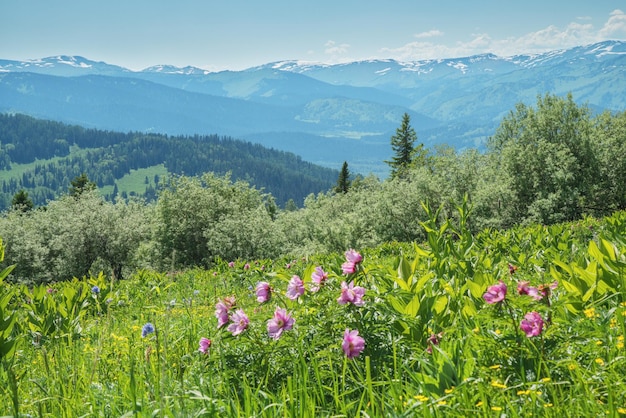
{"type": "Point", "coordinates": [441, 403]}
{"type": "Point", "coordinates": [590, 312]}
{"type": "Point", "coordinates": [497, 384]}
{"type": "Point", "coordinates": [496, 408]}
{"type": "Point", "coordinates": [479, 404]}
{"type": "Point", "coordinates": [523, 392]}
{"type": "Point", "coordinates": [547, 405]}
{"type": "Point", "coordinates": [600, 362]}
{"type": "Point", "coordinates": [546, 379]}
{"type": "Point", "coordinates": [421, 398]}
{"type": "Point", "coordinates": [495, 367]}
{"type": "Point", "coordinates": [449, 391]}
{"type": "Point", "coordinates": [621, 411]}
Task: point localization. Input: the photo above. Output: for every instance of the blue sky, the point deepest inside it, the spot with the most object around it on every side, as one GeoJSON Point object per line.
{"type": "Point", "coordinates": [238, 34]}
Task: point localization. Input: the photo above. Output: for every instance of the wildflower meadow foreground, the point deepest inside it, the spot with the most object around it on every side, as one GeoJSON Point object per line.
{"type": "Point", "coordinates": [524, 322]}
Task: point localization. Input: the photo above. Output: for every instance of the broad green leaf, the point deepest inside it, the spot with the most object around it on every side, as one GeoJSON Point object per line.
{"type": "Point", "coordinates": [603, 287]}
{"type": "Point", "coordinates": [609, 249]}
{"type": "Point", "coordinates": [469, 310]}
{"type": "Point", "coordinates": [475, 289]}
{"type": "Point", "coordinates": [595, 252]}
{"type": "Point", "coordinates": [440, 304]}
{"type": "Point", "coordinates": [589, 275]}
{"type": "Point", "coordinates": [571, 288]}
{"type": "Point", "coordinates": [419, 286]}
{"type": "Point", "coordinates": [413, 306]}
{"type": "Point", "coordinates": [589, 294]}
{"type": "Point", "coordinates": [404, 269]}
{"type": "Point", "coordinates": [396, 304]}
{"type": "Point", "coordinates": [402, 283]}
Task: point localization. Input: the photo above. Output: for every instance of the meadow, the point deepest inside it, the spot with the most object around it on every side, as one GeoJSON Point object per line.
{"type": "Point", "coordinates": [524, 322]}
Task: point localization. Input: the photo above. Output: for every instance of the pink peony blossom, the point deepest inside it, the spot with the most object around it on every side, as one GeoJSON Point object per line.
{"type": "Point", "coordinates": [318, 277]}
{"type": "Point", "coordinates": [295, 289]}
{"type": "Point", "coordinates": [532, 324]}
{"type": "Point", "coordinates": [239, 323]}
{"type": "Point", "coordinates": [348, 268]}
{"type": "Point", "coordinates": [221, 313]}
{"type": "Point", "coordinates": [352, 344]}
{"type": "Point", "coordinates": [205, 344]}
{"type": "Point", "coordinates": [524, 289]}
{"type": "Point", "coordinates": [263, 292]}
{"type": "Point", "coordinates": [353, 257]}
{"type": "Point", "coordinates": [351, 294]}
{"type": "Point", "coordinates": [495, 293]}
{"type": "Point", "coordinates": [281, 321]}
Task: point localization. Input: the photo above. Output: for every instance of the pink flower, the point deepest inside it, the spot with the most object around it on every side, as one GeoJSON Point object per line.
{"type": "Point", "coordinates": [281, 321]}
{"type": "Point", "coordinates": [239, 323]}
{"type": "Point", "coordinates": [295, 289]}
{"type": "Point", "coordinates": [221, 313]}
{"type": "Point", "coordinates": [246, 266]}
{"type": "Point", "coordinates": [495, 293]}
{"type": "Point", "coordinates": [351, 294]}
{"type": "Point", "coordinates": [524, 289]}
{"type": "Point", "coordinates": [205, 344]}
{"type": "Point", "coordinates": [231, 264]}
{"type": "Point", "coordinates": [319, 277]}
{"type": "Point", "coordinates": [532, 324]}
{"type": "Point", "coordinates": [546, 289]}
{"type": "Point", "coordinates": [432, 341]}
{"type": "Point", "coordinates": [263, 292]}
{"type": "Point", "coordinates": [348, 268]}
{"type": "Point", "coordinates": [353, 257]}
{"type": "Point", "coordinates": [352, 344]}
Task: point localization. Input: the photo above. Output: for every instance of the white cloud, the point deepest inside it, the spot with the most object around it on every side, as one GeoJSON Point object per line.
{"type": "Point", "coordinates": [616, 25]}
{"type": "Point", "coordinates": [549, 38]}
{"type": "Point", "coordinates": [332, 48]}
{"type": "Point", "coordinates": [430, 34]}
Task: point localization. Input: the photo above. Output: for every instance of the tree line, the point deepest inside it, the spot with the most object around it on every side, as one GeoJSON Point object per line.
{"type": "Point", "coordinates": [554, 162]}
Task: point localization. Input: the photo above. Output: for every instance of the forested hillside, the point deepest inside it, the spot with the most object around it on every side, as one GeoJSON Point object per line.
{"type": "Point", "coordinates": [42, 157]}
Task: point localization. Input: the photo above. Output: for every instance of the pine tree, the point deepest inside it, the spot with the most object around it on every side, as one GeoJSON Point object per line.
{"type": "Point", "coordinates": [22, 202]}
{"type": "Point", "coordinates": [402, 143]}
{"type": "Point", "coordinates": [343, 181]}
{"type": "Point", "coordinates": [80, 185]}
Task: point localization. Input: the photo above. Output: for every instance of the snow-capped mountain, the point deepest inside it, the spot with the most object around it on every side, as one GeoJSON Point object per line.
{"type": "Point", "coordinates": [298, 106]}
{"type": "Point", "coordinates": [62, 65]}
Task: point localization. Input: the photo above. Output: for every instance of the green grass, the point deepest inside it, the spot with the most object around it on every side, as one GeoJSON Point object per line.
{"type": "Point", "coordinates": [134, 182]}
{"type": "Point", "coordinates": [433, 346]}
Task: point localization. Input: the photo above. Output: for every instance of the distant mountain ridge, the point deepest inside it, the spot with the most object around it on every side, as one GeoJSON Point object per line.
{"type": "Point", "coordinates": [291, 104]}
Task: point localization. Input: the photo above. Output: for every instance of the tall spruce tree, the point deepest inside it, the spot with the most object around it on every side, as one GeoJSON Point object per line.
{"type": "Point", "coordinates": [81, 184]}
{"type": "Point", "coordinates": [343, 181]}
{"type": "Point", "coordinates": [21, 201]}
{"type": "Point", "coordinates": [402, 144]}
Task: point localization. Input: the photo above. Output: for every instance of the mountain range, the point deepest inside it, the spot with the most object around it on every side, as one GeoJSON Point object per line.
{"type": "Point", "coordinates": [325, 113]}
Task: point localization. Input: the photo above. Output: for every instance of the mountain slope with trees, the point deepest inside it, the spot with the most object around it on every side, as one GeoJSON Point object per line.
{"type": "Point", "coordinates": [42, 157]}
